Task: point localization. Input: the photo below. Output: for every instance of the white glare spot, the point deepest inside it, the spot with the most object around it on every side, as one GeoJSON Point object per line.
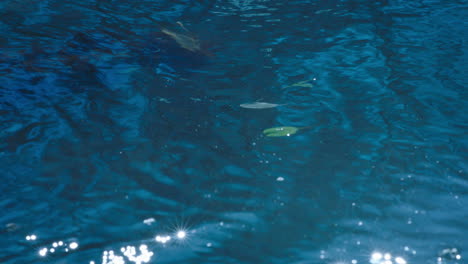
{"type": "Point", "coordinates": [208, 244]}
{"type": "Point", "coordinates": [73, 245]}
{"type": "Point", "coordinates": [181, 234]}
{"type": "Point", "coordinates": [400, 260]}
{"type": "Point", "coordinates": [376, 256]}
{"type": "Point", "coordinates": [43, 252]}
{"type": "Point", "coordinates": [353, 261]}
{"type": "Point", "coordinates": [131, 254]}
{"type": "Point", "coordinates": [60, 243]}
{"type": "Point", "coordinates": [458, 256]}
{"type": "Point", "coordinates": [280, 179]}
{"type": "Point", "coordinates": [31, 237]}
{"type": "Point", "coordinates": [387, 256]}
{"type": "Point", "coordinates": [55, 244]}
{"type": "Point", "coordinates": [52, 250]}
{"type": "Point", "coordinates": [162, 239]}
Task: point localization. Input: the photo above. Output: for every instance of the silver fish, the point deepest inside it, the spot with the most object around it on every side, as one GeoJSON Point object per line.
{"type": "Point", "coordinates": [185, 41]}
{"type": "Point", "coordinates": [258, 105]}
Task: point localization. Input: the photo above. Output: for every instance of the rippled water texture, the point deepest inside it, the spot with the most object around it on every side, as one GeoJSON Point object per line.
{"type": "Point", "coordinates": [122, 138]}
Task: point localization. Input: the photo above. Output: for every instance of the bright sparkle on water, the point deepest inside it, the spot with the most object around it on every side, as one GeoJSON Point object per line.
{"type": "Point", "coordinates": [448, 254]}
{"type": "Point", "coordinates": [31, 237]}
{"type": "Point", "coordinates": [139, 255]}
{"type": "Point", "coordinates": [43, 252]}
{"type": "Point", "coordinates": [181, 234]}
{"type": "Point", "coordinates": [386, 258]}
{"type": "Point", "coordinates": [400, 260]}
{"type": "Point", "coordinates": [73, 245]}
{"type": "Point", "coordinates": [162, 239]}
{"type": "Point", "coordinates": [129, 254]}
{"type": "Point", "coordinates": [143, 257]}
{"type": "Point", "coordinates": [56, 246]}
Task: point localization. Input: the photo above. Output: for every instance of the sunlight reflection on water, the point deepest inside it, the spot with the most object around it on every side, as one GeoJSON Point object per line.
{"type": "Point", "coordinates": [142, 254]}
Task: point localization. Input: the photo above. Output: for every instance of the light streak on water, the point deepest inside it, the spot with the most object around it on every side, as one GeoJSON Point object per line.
{"type": "Point", "coordinates": [149, 221]}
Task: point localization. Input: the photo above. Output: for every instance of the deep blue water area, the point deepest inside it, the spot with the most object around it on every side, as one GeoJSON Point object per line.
{"type": "Point", "coordinates": [123, 138]}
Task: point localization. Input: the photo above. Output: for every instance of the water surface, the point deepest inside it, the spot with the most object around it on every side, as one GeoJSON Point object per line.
{"type": "Point", "coordinates": [112, 136]}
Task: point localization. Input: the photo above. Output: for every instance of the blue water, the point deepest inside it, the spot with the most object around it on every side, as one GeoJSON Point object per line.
{"type": "Point", "coordinates": [118, 145]}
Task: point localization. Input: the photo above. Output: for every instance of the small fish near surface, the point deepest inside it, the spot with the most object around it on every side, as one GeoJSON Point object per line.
{"type": "Point", "coordinates": [304, 84]}
{"type": "Point", "coordinates": [259, 105]}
